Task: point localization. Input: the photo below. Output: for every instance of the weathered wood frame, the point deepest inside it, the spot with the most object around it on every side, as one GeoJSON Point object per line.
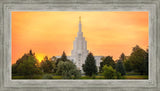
{"type": "Point", "coordinates": [7, 6]}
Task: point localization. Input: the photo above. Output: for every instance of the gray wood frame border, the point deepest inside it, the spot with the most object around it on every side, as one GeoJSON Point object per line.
{"type": "Point", "coordinates": [7, 6]}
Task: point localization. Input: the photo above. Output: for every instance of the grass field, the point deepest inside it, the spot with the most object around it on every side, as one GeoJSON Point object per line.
{"type": "Point", "coordinates": [136, 77]}
{"type": "Point", "coordinates": [84, 77]}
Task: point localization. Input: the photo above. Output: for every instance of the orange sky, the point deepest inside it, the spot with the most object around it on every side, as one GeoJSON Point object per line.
{"type": "Point", "coordinates": [51, 33]}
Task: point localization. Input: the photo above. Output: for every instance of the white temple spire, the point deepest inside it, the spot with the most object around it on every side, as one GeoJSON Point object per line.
{"type": "Point", "coordinates": [79, 52]}
{"type": "Point", "coordinates": [80, 25]}
{"type": "Point", "coordinates": [79, 19]}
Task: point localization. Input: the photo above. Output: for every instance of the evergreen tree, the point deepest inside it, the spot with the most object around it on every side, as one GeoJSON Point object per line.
{"type": "Point", "coordinates": [120, 67]}
{"type": "Point", "coordinates": [122, 57]}
{"type": "Point", "coordinates": [64, 57]}
{"type": "Point", "coordinates": [90, 65]}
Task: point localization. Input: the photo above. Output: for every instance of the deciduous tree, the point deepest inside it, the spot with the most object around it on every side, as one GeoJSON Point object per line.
{"type": "Point", "coordinates": [107, 61]}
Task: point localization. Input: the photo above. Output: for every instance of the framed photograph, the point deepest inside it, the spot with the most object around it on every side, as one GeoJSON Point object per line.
{"type": "Point", "coordinates": [79, 45]}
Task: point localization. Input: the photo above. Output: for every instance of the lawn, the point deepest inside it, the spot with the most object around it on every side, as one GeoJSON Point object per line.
{"type": "Point", "coordinates": [136, 77]}
{"type": "Point", "coordinates": [83, 77]}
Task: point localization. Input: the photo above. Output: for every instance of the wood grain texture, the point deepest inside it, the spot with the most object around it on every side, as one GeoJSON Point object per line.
{"type": "Point", "coordinates": [6, 84]}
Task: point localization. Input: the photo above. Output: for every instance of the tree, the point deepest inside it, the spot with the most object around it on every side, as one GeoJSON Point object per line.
{"type": "Point", "coordinates": [108, 72]}
{"type": "Point", "coordinates": [107, 61]}
{"type": "Point", "coordinates": [90, 65]}
{"type": "Point", "coordinates": [139, 60]}
{"type": "Point", "coordinates": [62, 58]}
{"type": "Point", "coordinates": [27, 65]}
{"type": "Point", "coordinates": [128, 66]}
{"type": "Point", "coordinates": [120, 67]}
{"type": "Point", "coordinates": [67, 69]}
{"type": "Point", "coordinates": [14, 68]}
{"type": "Point", "coordinates": [122, 57]}
{"type": "Point", "coordinates": [146, 63]}
{"type": "Point", "coordinates": [47, 65]}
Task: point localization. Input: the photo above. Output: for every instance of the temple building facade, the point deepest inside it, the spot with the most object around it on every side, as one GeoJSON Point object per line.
{"type": "Point", "coordinates": [80, 52]}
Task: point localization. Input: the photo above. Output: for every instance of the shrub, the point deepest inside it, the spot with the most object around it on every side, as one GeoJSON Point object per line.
{"type": "Point", "coordinates": [109, 72]}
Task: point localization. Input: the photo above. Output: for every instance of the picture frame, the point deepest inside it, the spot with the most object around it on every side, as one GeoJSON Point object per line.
{"type": "Point", "coordinates": [7, 6]}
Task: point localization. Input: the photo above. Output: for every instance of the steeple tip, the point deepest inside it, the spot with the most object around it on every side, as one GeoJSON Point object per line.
{"type": "Point", "coordinates": [79, 18]}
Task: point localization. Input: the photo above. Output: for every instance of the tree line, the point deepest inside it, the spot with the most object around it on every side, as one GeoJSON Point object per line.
{"type": "Point", "coordinates": [136, 62]}
{"type": "Point", "coordinates": [29, 66]}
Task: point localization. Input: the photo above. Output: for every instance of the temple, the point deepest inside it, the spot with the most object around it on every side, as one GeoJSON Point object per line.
{"type": "Point", "coordinates": [80, 52]}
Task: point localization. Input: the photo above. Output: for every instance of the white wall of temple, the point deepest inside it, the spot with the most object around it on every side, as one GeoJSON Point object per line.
{"type": "Point", "coordinates": [97, 58]}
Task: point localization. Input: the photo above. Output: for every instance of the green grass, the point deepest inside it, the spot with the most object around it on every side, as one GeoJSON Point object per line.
{"type": "Point", "coordinates": [136, 77]}
{"type": "Point", "coordinates": [18, 77]}
{"type": "Point", "coordinates": [27, 77]}
{"type": "Point", "coordinates": [82, 77]}
{"type": "Point", "coordinates": [132, 73]}
{"type": "Point", "coordinates": [57, 77]}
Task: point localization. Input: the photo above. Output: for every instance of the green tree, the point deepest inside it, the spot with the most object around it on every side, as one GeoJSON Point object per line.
{"type": "Point", "coordinates": [27, 65]}
{"type": "Point", "coordinates": [67, 69]}
{"type": "Point", "coordinates": [107, 61]}
{"type": "Point", "coordinates": [139, 60]}
{"type": "Point", "coordinates": [62, 58]}
{"type": "Point", "coordinates": [108, 72]}
{"type": "Point", "coordinates": [47, 66]}
{"type": "Point", "coordinates": [122, 57]}
{"type": "Point", "coordinates": [90, 65]}
{"type": "Point", "coordinates": [120, 67]}
{"type": "Point", "coordinates": [128, 66]}
{"type": "Point", "coordinates": [146, 63]}
{"type": "Point", "coordinates": [14, 68]}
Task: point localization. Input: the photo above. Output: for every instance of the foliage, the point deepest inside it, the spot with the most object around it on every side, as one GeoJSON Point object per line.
{"type": "Point", "coordinates": [14, 71]}
{"type": "Point", "coordinates": [128, 66]}
{"type": "Point", "coordinates": [108, 72]}
{"type": "Point", "coordinates": [107, 61]}
{"type": "Point", "coordinates": [62, 58]}
{"type": "Point", "coordinates": [120, 67]}
{"type": "Point", "coordinates": [27, 65]}
{"type": "Point", "coordinates": [146, 63]}
{"type": "Point", "coordinates": [118, 75]}
{"type": "Point", "coordinates": [122, 57]}
{"type": "Point", "coordinates": [47, 66]}
{"type": "Point", "coordinates": [90, 65]}
{"type": "Point", "coordinates": [67, 69]}
{"type": "Point", "coordinates": [139, 60]}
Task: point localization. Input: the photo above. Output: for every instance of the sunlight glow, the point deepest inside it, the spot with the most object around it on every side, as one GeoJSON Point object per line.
{"type": "Point", "coordinates": [40, 57]}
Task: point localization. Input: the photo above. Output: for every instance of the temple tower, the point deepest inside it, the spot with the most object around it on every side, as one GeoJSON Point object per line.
{"type": "Point", "coordinates": [79, 52]}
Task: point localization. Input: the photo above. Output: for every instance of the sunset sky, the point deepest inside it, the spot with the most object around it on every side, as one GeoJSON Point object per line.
{"type": "Point", "coordinates": [51, 33]}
